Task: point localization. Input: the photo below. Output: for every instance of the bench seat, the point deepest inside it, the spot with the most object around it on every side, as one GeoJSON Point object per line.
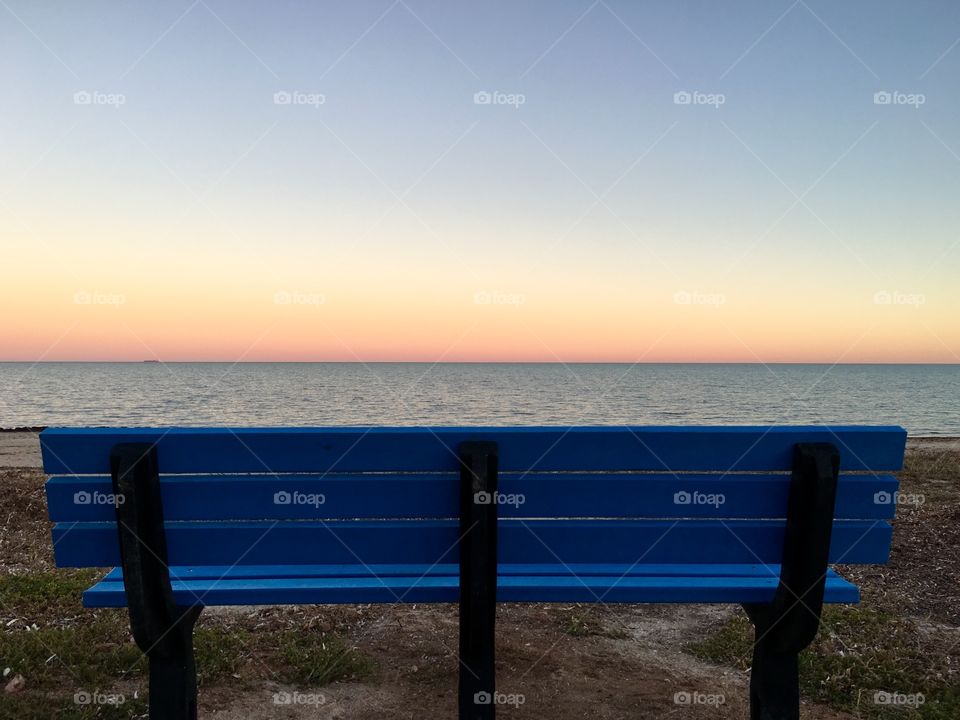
{"type": "Point", "coordinates": [335, 584]}
{"type": "Point", "coordinates": [199, 517]}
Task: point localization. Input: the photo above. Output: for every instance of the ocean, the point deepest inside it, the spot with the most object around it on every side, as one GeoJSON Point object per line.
{"type": "Point", "coordinates": [925, 399]}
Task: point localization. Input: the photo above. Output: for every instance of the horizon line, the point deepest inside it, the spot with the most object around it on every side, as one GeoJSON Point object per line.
{"type": "Point", "coordinates": [466, 362]}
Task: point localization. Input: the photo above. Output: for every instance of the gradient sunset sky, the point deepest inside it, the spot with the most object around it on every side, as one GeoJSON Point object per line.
{"type": "Point", "coordinates": [449, 181]}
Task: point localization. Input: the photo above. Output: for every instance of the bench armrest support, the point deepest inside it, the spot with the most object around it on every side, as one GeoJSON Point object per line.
{"type": "Point", "coordinates": [789, 623]}
{"type": "Point", "coordinates": [793, 617]}
{"type": "Point", "coordinates": [478, 579]}
{"type": "Point", "coordinates": [161, 629]}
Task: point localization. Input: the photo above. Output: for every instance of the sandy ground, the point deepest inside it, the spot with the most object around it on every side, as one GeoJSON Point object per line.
{"type": "Point", "coordinates": [631, 664]}
{"type": "Point", "coordinates": [19, 449]}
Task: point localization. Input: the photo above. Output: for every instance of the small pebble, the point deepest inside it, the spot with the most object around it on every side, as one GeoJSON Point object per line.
{"type": "Point", "coordinates": [16, 684]}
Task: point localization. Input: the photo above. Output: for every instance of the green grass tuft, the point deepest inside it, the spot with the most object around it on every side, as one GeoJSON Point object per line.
{"type": "Point", "coordinates": [29, 707]}
{"type": "Point", "coordinates": [82, 656]}
{"type": "Point", "coordinates": [47, 594]}
{"type": "Point", "coordinates": [859, 651]}
{"type": "Point", "coordinates": [219, 653]}
{"type": "Point", "coordinates": [313, 658]}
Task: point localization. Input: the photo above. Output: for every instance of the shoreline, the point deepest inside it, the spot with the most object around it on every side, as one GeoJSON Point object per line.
{"type": "Point", "coordinates": [477, 362]}
{"type": "Point", "coordinates": [20, 447]}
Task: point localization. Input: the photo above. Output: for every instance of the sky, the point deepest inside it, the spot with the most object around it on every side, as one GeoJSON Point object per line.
{"type": "Point", "coordinates": [450, 181]}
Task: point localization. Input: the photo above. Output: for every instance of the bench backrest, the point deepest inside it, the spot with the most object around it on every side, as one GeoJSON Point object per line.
{"type": "Point", "coordinates": [375, 496]}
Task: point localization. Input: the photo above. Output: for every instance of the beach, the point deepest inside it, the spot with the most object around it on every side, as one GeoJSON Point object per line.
{"type": "Point", "coordinates": [565, 661]}
{"type": "Point", "coordinates": [20, 449]}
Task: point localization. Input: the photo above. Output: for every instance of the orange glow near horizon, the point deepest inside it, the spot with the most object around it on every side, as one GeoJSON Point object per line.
{"type": "Point", "coordinates": [452, 322]}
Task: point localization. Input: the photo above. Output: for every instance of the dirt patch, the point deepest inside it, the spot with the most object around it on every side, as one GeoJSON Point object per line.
{"type": "Point", "coordinates": [922, 578]}
{"type": "Point", "coordinates": [25, 537]}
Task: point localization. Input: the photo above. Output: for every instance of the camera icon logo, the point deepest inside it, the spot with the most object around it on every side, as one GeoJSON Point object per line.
{"type": "Point", "coordinates": [482, 498]}
{"type": "Point", "coordinates": [882, 497]}
{"type": "Point", "coordinates": [82, 497]}
{"type": "Point", "coordinates": [482, 698]}
{"type": "Point", "coordinates": [682, 498]}
{"type": "Point", "coordinates": [882, 98]}
{"type": "Point", "coordinates": [682, 98]}
{"type": "Point", "coordinates": [282, 497]}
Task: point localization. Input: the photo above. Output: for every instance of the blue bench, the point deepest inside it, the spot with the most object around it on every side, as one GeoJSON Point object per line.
{"type": "Point", "coordinates": [191, 517]}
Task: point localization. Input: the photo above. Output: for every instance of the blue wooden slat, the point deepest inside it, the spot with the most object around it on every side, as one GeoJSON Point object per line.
{"type": "Point", "coordinates": [413, 541]}
{"type": "Point", "coordinates": [250, 572]}
{"type": "Point", "coordinates": [612, 589]}
{"type": "Point", "coordinates": [197, 450]}
{"type": "Point", "coordinates": [253, 497]}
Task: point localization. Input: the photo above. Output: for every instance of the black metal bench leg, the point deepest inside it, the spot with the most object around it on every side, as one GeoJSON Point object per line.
{"type": "Point", "coordinates": [774, 684]}
{"type": "Point", "coordinates": [789, 623]}
{"type": "Point", "coordinates": [478, 579]}
{"type": "Point", "coordinates": [173, 672]}
{"type": "Point", "coordinates": [161, 629]}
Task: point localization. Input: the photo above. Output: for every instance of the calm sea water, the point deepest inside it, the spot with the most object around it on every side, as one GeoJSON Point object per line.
{"type": "Point", "coordinates": [923, 398]}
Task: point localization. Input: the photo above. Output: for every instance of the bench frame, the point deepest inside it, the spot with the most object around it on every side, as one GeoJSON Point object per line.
{"type": "Point", "coordinates": [162, 629]}
{"type": "Point", "coordinates": [789, 623]}
{"type": "Point", "coordinates": [785, 626]}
